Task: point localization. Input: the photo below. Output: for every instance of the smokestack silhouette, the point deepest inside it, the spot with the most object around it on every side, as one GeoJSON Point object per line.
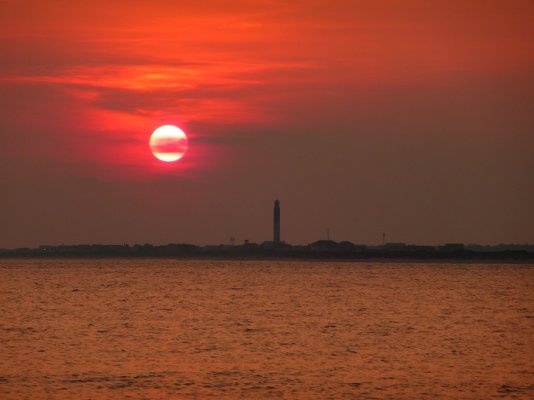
{"type": "Point", "coordinates": [276, 236]}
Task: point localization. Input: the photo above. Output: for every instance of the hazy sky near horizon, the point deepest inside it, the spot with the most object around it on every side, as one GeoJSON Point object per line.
{"type": "Point", "coordinates": [411, 117]}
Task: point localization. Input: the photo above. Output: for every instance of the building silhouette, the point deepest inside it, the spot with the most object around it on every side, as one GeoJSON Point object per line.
{"type": "Point", "coordinates": [276, 225]}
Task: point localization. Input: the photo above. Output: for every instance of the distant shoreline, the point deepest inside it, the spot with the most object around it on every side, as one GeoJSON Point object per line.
{"type": "Point", "coordinates": [371, 259]}
{"type": "Point", "coordinates": [310, 260]}
{"type": "Point", "coordinates": [322, 250]}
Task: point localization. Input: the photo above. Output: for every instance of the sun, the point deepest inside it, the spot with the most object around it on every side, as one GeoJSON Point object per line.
{"type": "Point", "coordinates": [168, 143]}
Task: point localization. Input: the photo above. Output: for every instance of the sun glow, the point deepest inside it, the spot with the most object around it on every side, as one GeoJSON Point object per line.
{"type": "Point", "coordinates": [168, 143]}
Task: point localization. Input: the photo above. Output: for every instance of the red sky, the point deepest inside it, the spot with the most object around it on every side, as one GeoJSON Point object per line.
{"type": "Point", "coordinates": [413, 118]}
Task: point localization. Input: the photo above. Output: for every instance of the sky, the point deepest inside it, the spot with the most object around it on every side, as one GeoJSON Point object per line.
{"type": "Point", "coordinates": [410, 118]}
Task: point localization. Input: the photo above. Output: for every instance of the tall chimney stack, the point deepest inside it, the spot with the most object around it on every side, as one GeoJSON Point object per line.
{"type": "Point", "coordinates": [276, 236]}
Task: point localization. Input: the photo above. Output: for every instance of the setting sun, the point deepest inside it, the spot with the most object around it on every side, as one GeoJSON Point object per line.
{"type": "Point", "coordinates": [168, 143]}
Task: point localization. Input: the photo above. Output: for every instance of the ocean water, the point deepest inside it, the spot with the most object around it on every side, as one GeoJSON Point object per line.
{"type": "Point", "coordinates": [174, 329]}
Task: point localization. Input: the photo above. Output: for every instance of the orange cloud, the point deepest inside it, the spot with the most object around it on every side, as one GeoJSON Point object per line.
{"type": "Point", "coordinates": [129, 66]}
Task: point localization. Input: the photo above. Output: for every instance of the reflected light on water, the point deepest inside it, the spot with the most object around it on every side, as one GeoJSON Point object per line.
{"type": "Point", "coordinates": [160, 329]}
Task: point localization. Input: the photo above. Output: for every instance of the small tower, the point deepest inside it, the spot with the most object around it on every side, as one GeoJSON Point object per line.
{"type": "Point", "coordinates": [276, 235]}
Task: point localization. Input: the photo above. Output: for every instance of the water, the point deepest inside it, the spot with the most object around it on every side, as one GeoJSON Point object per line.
{"type": "Point", "coordinates": [167, 329]}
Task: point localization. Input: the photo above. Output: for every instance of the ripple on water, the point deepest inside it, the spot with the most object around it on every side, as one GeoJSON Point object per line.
{"type": "Point", "coordinates": [159, 329]}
